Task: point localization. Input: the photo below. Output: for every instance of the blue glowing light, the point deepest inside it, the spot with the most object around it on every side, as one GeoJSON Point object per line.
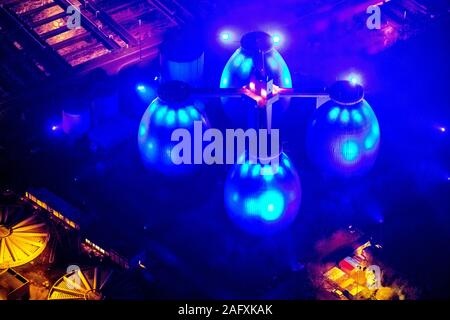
{"type": "Point", "coordinates": [244, 168]}
{"type": "Point", "coordinates": [373, 137]}
{"type": "Point", "coordinates": [268, 172]}
{"type": "Point", "coordinates": [268, 206]}
{"type": "Point", "coordinates": [193, 113]}
{"type": "Point", "coordinates": [239, 67]}
{"type": "Point", "coordinates": [287, 82]}
{"type": "Point", "coordinates": [238, 60]}
{"type": "Point", "coordinates": [251, 206]}
{"type": "Point", "coordinates": [247, 65]}
{"type": "Point", "coordinates": [354, 79]}
{"type": "Point", "coordinates": [155, 131]}
{"type": "Point", "coordinates": [54, 128]}
{"type": "Point", "coordinates": [370, 142]}
{"type": "Point", "coordinates": [183, 116]}
{"type": "Point", "coordinates": [145, 92]}
{"type": "Point", "coordinates": [170, 118]}
{"type": "Point", "coordinates": [376, 129]}
{"type": "Point", "coordinates": [356, 116]}
{"type": "Point", "coordinates": [271, 205]}
{"type": "Point", "coordinates": [225, 36]}
{"type": "Point", "coordinates": [276, 39]}
{"type": "Point", "coordinates": [224, 81]}
{"type": "Point", "coordinates": [345, 116]}
{"type": "Point", "coordinates": [141, 88]}
{"type": "Point", "coordinates": [267, 199]}
{"type": "Point", "coordinates": [366, 110]}
{"type": "Point", "coordinates": [151, 150]}
{"type": "Point", "coordinates": [142, 130]}
{"type": "Point", "coordinates": [161, 113]}
{"type": "Point", "coordinates": [240, 70]}
{"type": "Point", "coordinates": [334, 113]}
{"type": "Point", "coordinates": [347, 147]}
{"type": "Point", "coordinates": [256, 171]}
{"type": "Point", "coordinates": [153, 106]}
{"type": "Point", "coordinates": [286, 162]}
{"type": "Point", "coordinates": [285, 73]}
{"type": "Point", "coordinates": [272, 63]}
{"type": "Point", "coordinates": [350, 150]}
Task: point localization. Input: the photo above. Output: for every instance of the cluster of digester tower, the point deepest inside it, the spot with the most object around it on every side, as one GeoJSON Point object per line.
{"type": "Point", "coordinates": [342, 139]}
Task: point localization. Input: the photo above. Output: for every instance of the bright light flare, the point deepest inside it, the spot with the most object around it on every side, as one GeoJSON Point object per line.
{"type": "Point", "coordinates": [354, 79]}
{"type": "Point", "coordinates": [263, 93]}
{"type": "Point", "coordinates": [277, 39]}
{"type": "Point", "coordinates": [141, 88]}
{"type": "Point", "coordinates": [226, 36]}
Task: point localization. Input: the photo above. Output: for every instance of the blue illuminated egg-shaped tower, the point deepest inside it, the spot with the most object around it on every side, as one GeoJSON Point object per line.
{"type": "Point", "coordinates": [344, 136]}
{"type": "Point", "coordinates": [172, 109]}
{"type": "Point", "coordinates": [263, 198]}
{"type": "Point", "coordinates": [255, 59]}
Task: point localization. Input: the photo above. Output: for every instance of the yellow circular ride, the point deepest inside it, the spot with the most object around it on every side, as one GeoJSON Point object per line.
{"type": "Point", "coordinates": [22, 237]}
{"type": "Point", "coordinates": [81, 284]}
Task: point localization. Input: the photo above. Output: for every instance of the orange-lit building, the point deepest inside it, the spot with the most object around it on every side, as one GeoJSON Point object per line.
{"type": "Point", "coordinates": [354, 277]}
